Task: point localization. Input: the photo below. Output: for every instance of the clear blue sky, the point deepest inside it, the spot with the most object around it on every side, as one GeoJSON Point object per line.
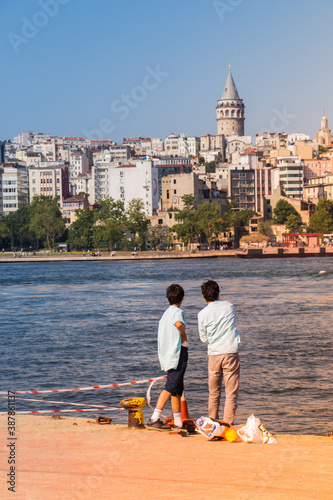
{"type": "Point", "coordinates": [69, 68]}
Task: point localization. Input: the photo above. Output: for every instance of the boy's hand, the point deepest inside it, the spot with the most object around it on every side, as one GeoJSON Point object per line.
{"type": "Point", "coordinates": [181, 330]}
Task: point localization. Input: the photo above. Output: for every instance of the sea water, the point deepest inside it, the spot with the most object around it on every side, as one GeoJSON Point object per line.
{"type": "Point", "coordinates": [79, 324]}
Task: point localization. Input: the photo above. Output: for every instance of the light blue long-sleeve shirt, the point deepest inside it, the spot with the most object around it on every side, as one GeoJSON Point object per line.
{"type": "Point", "coordinates": [169, 338]}
{"type": "Point", "coordinates": [217, 327]}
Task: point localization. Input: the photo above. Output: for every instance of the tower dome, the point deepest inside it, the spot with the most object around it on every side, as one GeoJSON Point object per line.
{"type": "Point", "coordinates": [230, 110]}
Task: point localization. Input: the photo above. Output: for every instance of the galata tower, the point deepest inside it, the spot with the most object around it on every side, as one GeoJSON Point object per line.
{"type": "Point", "coordinates": [230, 110]}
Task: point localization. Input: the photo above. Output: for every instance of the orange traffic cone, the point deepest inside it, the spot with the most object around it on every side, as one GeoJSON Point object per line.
{"type": "Point", "coordinates": [183, 407]}
{"type": "Point", "coordinates": [188, 422]}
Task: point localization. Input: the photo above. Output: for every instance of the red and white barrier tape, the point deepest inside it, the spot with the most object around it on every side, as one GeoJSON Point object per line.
{"type": "Point", "coordinates": [57, 411]}
{"type": "Point", "coordinates": [148, 399]}
{"type": "Point", "coordinates": [63, 403]}
{"type": "Point", "coordinates": [84, 388]}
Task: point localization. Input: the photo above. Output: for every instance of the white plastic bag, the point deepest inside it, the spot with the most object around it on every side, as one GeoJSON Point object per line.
{"type": "Point", "coordinates": [254, 432]}
{"type": "Point", "coordinates": [209, 428]}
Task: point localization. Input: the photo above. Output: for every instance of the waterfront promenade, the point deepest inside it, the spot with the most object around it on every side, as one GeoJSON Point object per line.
{"type": "Point", "coordinates": [269, 252]}
{"type": "Point", "coordinates": [71, 458]}
{"type": "Point", "coordinates": [62, 257]}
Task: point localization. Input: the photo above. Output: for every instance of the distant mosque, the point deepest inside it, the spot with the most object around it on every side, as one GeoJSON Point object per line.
{"type": "Point", "coordinates": [230, 110]}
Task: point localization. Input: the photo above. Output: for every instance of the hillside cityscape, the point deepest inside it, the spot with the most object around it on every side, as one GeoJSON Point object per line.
{"type": "Point", "coordinates": [213, 191]}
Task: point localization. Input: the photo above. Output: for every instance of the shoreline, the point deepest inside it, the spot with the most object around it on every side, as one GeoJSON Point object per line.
{"type": "Point", "coordinates": [251, 253]}
{"type": "Point", "coordinates": [207, 254]}
{"type": "Point", "coordinates": [75, 458]}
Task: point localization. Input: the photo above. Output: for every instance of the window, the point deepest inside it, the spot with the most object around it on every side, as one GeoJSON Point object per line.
{"type": "Point", "coordinates": [175, 191]}
{"type": "Point", "coordinates": [160, 221]}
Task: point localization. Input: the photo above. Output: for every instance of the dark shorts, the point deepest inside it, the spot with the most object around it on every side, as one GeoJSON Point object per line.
{"type": "Point", "coordinates": [175, 377]}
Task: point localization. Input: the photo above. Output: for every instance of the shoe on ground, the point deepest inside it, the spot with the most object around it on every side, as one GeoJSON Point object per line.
{"type": "Point", "coordinates": [158, 425]}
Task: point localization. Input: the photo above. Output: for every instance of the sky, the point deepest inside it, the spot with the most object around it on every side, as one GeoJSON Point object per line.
{"type": "Point", "coordinates": [109, 69]}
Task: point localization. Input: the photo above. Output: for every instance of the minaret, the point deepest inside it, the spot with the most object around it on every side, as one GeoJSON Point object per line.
{"type": "Point", "coordinates": [230, 110]}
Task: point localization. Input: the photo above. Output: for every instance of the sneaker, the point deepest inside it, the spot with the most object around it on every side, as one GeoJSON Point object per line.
{"type": "Point", "coordinates": [158, 425]}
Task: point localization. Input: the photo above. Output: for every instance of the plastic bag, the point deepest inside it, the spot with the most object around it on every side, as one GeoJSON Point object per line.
{"type": "Point", "coordinates": [211, 429]}
{"type": "Point", "coordinates": [254, 432]}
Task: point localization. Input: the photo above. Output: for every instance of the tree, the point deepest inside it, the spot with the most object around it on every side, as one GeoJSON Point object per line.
{"type": "Point", "coordinates": [292, 223]}
{"type": "Point", "coordinates": [282, 211]}
{"type": "Point", "coordinates": [80, 231]}
{"type": "Point", "coordinates": [322, 220]}
{"type": "Point", "coordinates": [210, 221]}
{"type": "Point", "coordinates": [155, 236]}
{"type": "Point", "coordinates": [112, 220]}
{"type": "Point", "coordinates": [265, 228]}
{"type": "Point", "coordinates": [46, 220]}
{"type": "Point", "coordinates": [188, 200]}
{"type": "Point", "coordinates": [187, 228]}
{"type": "Point", "coordinates": [15, 229]}
{"type": "Point", "coordinates": [136, 221]}
{"type": "Point", "coordinates": [210, 167]}
{"type": "Point", "coordinates": [322, 149]}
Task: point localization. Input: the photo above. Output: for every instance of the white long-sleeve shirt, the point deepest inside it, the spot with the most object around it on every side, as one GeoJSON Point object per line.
{"type": "Point", "coordinates": [217, 327]}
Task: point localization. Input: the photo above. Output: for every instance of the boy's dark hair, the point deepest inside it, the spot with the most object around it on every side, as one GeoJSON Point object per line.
{"type": "Point", "coordinates": [210, 290]}
{"type": "Point", "coordinates": [175, 294]}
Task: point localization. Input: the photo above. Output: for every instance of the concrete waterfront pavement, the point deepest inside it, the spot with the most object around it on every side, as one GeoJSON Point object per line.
{"type": "Point", "coordinates": [71, 458]}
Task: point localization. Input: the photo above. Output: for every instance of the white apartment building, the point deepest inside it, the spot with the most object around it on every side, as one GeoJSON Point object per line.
{"type": "Point", "coordinates": [47, 149]}
{"type": "Point", "coordinates": [79, 164]}
{"type": "Point", "coordinates": [122, 152]}
{"type": "Point", "coordinates": [23, 137]}
{"type": "Point", "coordinates": [83, 183]}
{"type": "Point", "coordinates": [157, 145]}
{"type": "Point", "coordinates": [38, 137]}
{"type": "Point", "coordinates": [293, 138]}
{"type": "Point", "coordinates": [63, 152]}
{"type": "Point", "coordinates": [237, 143]}
{"type": "Point", "coordinates": [31, 159]}
{"type": "Point", "coordinates": [100, 182]}
{"type": "Point", "coordinates": [135, 181]}
{"type": "Point", "coordinates": [1, 172]}
{"type": "Point", "coordinates": [49, 179]}
{"type": "Point", "coordinates": [14, 187]}
{"type": "Point", "coordinates": [102, 157]}
{"type": "Point", "coordinates": [289, 175]}
{"type": "Point", "coordinates": [188, 146]}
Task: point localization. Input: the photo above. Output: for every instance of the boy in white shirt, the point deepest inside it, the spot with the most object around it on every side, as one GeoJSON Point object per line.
{"type": "Point", "coordinates": [217, 328]}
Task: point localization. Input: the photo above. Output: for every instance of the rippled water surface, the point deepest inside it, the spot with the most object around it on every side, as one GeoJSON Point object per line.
{"type": "Point", "coordinates": [76, 324]}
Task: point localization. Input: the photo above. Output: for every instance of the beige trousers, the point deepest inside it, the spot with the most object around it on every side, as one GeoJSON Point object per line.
{"type": "Point", "coordinates": [223, 366]}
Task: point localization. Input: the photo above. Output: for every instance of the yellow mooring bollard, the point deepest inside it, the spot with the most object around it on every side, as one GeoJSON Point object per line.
{"type": "Point", "coordinates": [135, 413]}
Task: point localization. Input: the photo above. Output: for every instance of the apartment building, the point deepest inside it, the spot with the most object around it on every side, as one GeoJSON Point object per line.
{"type": "Point", "coordinates": [121, 152]}
{"type": "Point", "coordinates": [317, 167]}
{"type": "Point", "coordinates": [79, 164]}
{"type": "Point", "coordinates": [47, 149]}
{"type": "Point", "coordinates": [49, 179]}
{"type": "Point", "coordinates": [83, 183]}
{"type": "Point", "coordinates": [319, 187]}
{"type": "Point", "coordinates": [70, 205]}
{"type": "Point", "coordinates": [100, 182]}
{"type": "Point", "coordinates": [171, 145]}
{"type": "Point", "coordinates": [188, 146]}
{"type": "Point", "coordinates": [288, 175]}
{"type": "Point", "coordinates": [14, 184]}
{"type": "Point", "coordinates": [177, 185]}
{"type": "Point", "coordinates": [139, 180]}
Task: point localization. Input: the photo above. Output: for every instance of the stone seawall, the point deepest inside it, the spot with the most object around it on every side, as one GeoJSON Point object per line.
{"type": "Point", "coordinates": [119, 256]}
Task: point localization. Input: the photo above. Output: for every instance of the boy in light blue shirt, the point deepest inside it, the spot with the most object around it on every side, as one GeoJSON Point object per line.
{"type": "Point", "coordinates": [173, 354]}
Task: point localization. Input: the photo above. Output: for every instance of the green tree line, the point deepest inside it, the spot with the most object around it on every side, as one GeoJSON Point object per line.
{"type": "Point", "coordinates": [41, 225]}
